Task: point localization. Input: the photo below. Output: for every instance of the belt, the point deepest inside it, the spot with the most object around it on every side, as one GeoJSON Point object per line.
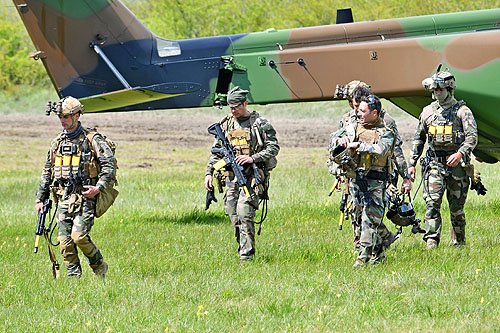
{"type": "Point", "coordinates": [378, 175]}
{"type": "Point", "coordinates": [439, 155]}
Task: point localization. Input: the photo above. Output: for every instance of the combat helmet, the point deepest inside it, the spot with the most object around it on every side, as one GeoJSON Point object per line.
{"type": "Point", "coordinates": [443, 79]}
{"type": "Point", "coordinates": [347, 161]}
{"type": "Point", "coordinates": [349, 88]}
{"type": "Point", "coordinates": [67, 105]}
{"type": "Point", "coordinates": [401, 213]}
{"type": "Point", "coordinates": [345, 92]}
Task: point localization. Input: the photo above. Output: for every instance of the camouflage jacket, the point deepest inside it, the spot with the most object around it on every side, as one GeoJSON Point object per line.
{"type": "Point", "coordinates": [263, 142]}
{"type": "Point", "coordinates": [463, 122]}
{"type": "Point", "coordinates": [398, 157]}
{"type": "Point", "coordinates": [382, 147]}
{"type": "Point", "coordinates": [100, 163]}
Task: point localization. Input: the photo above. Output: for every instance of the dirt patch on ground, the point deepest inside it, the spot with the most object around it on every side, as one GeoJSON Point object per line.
{"type": "Point", "coordinates": [185, 130]}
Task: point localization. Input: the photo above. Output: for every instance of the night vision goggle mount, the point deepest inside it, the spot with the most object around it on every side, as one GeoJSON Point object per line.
{"type": "Point", "coordinates": [55, 107]}
{"type": "Point", "coordinates": [441, 79]}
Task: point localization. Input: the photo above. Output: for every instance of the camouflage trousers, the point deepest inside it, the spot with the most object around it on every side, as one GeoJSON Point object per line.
{"type": "Point", "coordinates": [454, 181]}
{"type": "Point", "coordinates": [385, 234]}
{"type": "Point", "coordinates": [241, 211]}
{"type": "Point", "coordinates": [75, 219]}
{"type": "Point", "coordinates": [371, 210]}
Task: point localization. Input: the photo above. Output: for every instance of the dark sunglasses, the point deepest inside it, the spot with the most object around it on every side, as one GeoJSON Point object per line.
{"type": "Point", "coordinates": [234, 107]}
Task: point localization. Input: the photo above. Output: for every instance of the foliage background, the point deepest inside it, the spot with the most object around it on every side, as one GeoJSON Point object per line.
{"type": "Point", "coordinates": [175, 19]}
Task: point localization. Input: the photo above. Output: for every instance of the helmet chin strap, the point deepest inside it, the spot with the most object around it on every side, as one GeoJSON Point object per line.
{"type": "Point", "coordinates": [73, 123]}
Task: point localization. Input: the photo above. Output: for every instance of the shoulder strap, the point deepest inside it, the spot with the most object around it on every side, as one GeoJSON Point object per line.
{"type": "Point", "coordinates": [90, 133]}
{"type": "Point", "coordinates": [57, 141]}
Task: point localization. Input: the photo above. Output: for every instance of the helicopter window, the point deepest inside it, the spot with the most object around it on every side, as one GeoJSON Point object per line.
{"type": "Point", "coordinates": [167, 48]}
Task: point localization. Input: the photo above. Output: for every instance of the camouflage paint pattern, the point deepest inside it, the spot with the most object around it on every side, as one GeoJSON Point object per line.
{"type": "Point", "coordinates": [393, 55]}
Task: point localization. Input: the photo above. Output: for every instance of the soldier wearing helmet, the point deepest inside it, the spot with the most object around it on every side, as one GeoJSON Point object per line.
{"type": "Point", "coordinates": [449, 128]}
{"type": "Point", "coordinates": [79, 165]}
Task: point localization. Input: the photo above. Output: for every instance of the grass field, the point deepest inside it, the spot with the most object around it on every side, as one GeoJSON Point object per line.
{"type": "Point", "coordinates": [173, 266]}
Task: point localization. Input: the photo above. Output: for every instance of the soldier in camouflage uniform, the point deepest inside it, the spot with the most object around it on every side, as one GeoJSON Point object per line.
{"type": "Point", "coordinates": [356, 90]}
{"type": "Point", "coordinates": [373, 143]}
{"type": "Point", "coordinates": [81, 168]}
{"type": "Point", "coordinates": [450, 130]}
{"type": "Point", "coordinates": [254, 140]}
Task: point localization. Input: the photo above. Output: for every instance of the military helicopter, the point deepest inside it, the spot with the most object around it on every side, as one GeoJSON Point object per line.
{"type": "Point", "coordinates": [99, 52]}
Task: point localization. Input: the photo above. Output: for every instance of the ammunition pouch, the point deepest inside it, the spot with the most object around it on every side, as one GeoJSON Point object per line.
{"type": "Point", "coordinates": [75, 203]}
{"type": "Point", "coordinates": [260, 189]}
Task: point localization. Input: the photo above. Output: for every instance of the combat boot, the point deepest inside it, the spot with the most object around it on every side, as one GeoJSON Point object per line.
{"type": "Point", "coordinates": [432, 243]}
{"type": "Point", "coordinates": [100, 269]}
{"type": "Point", "coordinates": [379, 258]}
{"type": "Point", "coordinates": [74, 270]}
{"type": "Point", "coordinates": [457, 238]}
{"type": "Point", "coordinates": [359, 263]}
{"type": "Point", "coordinates": [378, 255]}
{"type": "Point", "coordinates": [246, 257]}
{"type": "Point", "coordinates": [387, 242]}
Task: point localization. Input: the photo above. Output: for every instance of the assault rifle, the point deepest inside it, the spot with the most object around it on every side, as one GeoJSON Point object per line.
{"type": "Point", "coordinates": [40, 223]}
{"type": "Point", "coordinates": [42, 230]}
{"type": "Point", "coordinates": [229, 158]}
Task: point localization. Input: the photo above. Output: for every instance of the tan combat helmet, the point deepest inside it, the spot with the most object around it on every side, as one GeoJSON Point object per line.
{"type": "Point", "coordinates": [69, 105]}
{"type": "Point", "coordinates": [349, 88]}
{"type": "Point", "coordinates": [441, 80]}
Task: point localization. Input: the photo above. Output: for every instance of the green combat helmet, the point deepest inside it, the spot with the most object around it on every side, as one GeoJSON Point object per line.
{"type": "Point", "coordinates": [440, 80]}
{"type": "Point", "coordinates": [67, 105]}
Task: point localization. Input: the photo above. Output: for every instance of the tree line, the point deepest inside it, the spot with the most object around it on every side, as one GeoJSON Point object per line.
{"type": "Point", "coordinates": [176, 19]}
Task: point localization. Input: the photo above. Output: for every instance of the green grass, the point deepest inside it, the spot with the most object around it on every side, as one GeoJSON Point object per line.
{"type": "Point", "coordinates": [173, 265]}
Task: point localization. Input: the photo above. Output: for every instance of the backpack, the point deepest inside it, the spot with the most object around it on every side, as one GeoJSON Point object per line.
{"type": "Point", "coordinates": [107, 196]}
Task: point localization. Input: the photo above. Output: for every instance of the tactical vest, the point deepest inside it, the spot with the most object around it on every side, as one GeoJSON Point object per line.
{"type": "Point", "coordinates": [445, 128]}
{"type": "Point", "coordinates": [71, 158]}
{"type": "Point", "coordinates": [240, 139]}
{"type": "Point", "coordinates": [247, 141]}
{"type": "Point", "coordinates": [372, 136]}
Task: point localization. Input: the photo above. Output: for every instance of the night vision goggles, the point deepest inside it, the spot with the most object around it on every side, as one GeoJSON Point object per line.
{"type": "Point", "coordinates": [67, 105]}
{"type": "Point", "coordinates": [443, 80]}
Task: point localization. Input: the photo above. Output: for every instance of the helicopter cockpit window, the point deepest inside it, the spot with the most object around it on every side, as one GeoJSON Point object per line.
{"type": "Point", "coordinates": [167, 48]}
